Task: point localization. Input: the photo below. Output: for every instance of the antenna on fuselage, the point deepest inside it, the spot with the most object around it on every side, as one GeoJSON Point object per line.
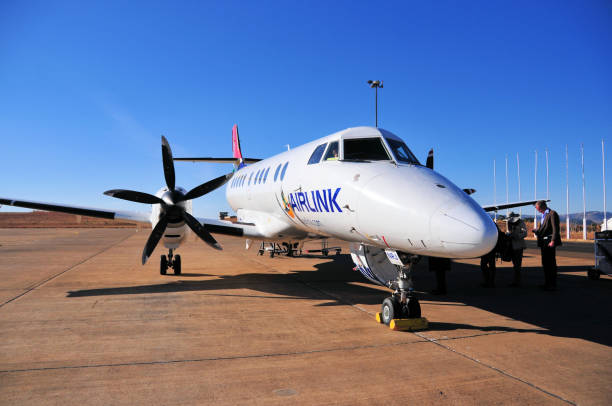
{"type": "Point", "coordinates": [375, 84]}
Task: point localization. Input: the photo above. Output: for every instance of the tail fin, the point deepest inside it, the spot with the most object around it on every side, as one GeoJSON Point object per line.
{"type": "Point", "coordinates": [237, 159]}
{"type": "Point", "coordinates": [236, 143]}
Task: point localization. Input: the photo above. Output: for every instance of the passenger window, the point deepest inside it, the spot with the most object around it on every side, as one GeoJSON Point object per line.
{"type": "Point", "coordinates": [332, 152]}
{"type": "Point", "coordinates": [276, 172]}
{"type": "Point", "coordinates": [250, 177]}
{"type": "Point", "coordinates": [317, 154]}
{"type": "Point", "coordinates": [266, 175]}
{"type": "Point", "coordinates": [365, 149]}
{"type": "Point", "coordinates": [283, 171]}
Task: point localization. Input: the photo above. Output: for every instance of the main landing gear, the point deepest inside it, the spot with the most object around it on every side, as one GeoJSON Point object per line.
{"type": "Point", "coordinates": [403, 303]}
{"type": "Point", "coordinates": [171, 261]}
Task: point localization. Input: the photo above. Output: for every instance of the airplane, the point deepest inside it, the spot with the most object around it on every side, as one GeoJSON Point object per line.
{"type": "Point", "coordinates": [362, 185]}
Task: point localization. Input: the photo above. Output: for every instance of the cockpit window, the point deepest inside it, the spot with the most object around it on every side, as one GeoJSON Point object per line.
{"type": "Point", "coordinates": [402, 152]}
{"type": "Point", "coordinates": [365, 149]}
{"type": "Point", "coordinates": [332, 152]}
{"type": "Point", "coordinates": [317, 154]}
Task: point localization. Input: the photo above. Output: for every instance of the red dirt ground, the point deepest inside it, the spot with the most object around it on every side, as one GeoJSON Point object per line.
{"type": "Point", "coordinates": [45, 219]}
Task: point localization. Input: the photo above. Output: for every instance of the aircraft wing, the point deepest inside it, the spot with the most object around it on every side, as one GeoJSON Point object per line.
{"type": "Point", "coordinates": [497, 207]}
{"type": "Point", "coordinates": [238, 229]}
{"type": "Point", "coordinates": [78, 210]}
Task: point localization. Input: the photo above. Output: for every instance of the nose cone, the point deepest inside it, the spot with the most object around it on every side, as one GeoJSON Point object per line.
{"type": "Point", "coordinates": [464, 229]}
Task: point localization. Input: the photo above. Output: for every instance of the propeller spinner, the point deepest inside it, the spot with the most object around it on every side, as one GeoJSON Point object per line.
{"type": "Point", "coordinates": [171, 210]}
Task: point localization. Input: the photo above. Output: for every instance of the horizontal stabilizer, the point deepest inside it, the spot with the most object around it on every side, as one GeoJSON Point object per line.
{"type": "Point", "coordinates": [220, 160]}
{"type": "Point", "coordinates": [510, 205]}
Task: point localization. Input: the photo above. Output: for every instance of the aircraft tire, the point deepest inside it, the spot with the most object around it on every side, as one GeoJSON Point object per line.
{"type": "Point", "coordinates": [177, 265]}
{"type": "Point", "coordinates": [163, 265]}
{"type": "Point", "coordinates": [593, 274]}
{"type": "Point", "coordinates": [412, 309]}
{"type": "Point", "coordinates": [390, 310]}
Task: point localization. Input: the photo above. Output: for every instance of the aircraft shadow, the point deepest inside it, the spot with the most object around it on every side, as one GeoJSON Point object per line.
{"type": "Point", "coordinates": [578, 309]}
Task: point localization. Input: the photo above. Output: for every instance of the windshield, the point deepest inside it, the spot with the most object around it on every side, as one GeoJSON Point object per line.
{"type": "Point", "coordinates": [365, 149]}
{"type": "Point", "coordinates": [317, 154]}
{"type": "Point", "coordinates": [332, 152]}
{"type": "Point", "coordinates": [401, 152]}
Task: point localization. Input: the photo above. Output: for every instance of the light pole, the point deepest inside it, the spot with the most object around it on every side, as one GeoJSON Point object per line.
{"type": "Point", "coordinates": [376, 84]}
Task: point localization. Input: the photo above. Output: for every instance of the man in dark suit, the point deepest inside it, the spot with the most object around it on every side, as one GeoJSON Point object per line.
{"type": "Point", "coordinates": [548, 239]}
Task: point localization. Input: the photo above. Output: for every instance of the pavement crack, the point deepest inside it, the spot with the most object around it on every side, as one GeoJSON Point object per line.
{"type": "Point", "coordinates": [44, 281]}
{"type": "Point", "coordinates": [209, 359]}
{"type": "Point", "coordinates": [498, 370]}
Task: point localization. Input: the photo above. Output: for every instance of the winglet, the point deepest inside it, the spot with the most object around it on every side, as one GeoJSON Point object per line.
{"type": "Point", "coordinates": [236, 142]}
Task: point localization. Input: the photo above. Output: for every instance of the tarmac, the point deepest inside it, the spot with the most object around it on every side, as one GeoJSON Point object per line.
{"type": "Point", "coordinates": [82, 322]}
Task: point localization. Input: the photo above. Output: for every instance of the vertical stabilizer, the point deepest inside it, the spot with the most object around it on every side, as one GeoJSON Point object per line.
{"type": "Point", "coordinates": [236, 142]}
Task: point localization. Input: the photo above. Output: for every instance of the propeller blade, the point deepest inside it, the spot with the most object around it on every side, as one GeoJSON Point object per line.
{"type": "Point", "coordinates": [197, 228]}
{"type": "Point", "coordinates": [207, 187]}
{"type": "Point", "coordinates": [133, 196]}
{"type": "Point", "coordinates": [168, 164]}
{"type": "Point", "coordinates": [430, 157]}
{"type": "Point", "coordinates": [154, 238]}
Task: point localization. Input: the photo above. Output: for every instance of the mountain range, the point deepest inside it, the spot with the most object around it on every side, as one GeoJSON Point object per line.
{"type": "Point", "coordinates": [596, 217]}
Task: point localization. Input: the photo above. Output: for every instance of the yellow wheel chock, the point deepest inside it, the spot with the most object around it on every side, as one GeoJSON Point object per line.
{"type": "Point", "coordinates": [420, 323]}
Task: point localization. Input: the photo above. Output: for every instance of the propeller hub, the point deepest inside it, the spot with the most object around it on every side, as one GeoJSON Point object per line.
{"type": "Point", "coordinates": [172, 197]}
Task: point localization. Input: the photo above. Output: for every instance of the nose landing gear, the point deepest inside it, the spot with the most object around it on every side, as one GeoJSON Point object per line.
{"type": "Point", "coordinates": [171, 261]}
{"type": "Point", "coordinates": [402, 311]}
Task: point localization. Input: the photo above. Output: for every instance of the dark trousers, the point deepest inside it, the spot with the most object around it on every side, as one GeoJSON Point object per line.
{"type": "Point", "coordinates": [517, 262]}
{"type": "Point", "coordinates": [440, 266]}
{"type": "Point", "coordinates": [549, 263]}
{"type": "Point", "coordinates": [487, 265]}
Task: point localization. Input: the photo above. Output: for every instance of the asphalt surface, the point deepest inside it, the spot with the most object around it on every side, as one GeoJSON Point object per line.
{"type": "Point", "coordinates": [576, 249]}
{"type": "Point", "coordinates": [571, 249]}
{"type": "Point", "coordinates": [82, 322]}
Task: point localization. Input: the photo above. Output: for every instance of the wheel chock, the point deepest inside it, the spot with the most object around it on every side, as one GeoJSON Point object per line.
{"type": "Point", "coordinates": [420, 323]}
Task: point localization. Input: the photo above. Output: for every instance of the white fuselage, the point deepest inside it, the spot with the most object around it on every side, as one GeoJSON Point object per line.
{"type": "Point", "coordinates": [385, 203]}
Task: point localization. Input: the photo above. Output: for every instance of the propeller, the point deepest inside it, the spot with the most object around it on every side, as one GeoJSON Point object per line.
{"type": "Point", "coordinates": [171, 209]}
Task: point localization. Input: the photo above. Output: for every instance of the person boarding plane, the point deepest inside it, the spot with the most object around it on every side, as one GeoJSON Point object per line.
{"type": "Point", "coordinates": [335, 186]}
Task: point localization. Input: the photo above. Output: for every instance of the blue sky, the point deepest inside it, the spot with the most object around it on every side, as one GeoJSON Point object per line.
{"type": "Point", "coordinates": [88, 87]}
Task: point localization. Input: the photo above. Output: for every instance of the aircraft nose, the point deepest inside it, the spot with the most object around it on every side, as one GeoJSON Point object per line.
{"type": "Point", "coordinates": [464, 229]}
